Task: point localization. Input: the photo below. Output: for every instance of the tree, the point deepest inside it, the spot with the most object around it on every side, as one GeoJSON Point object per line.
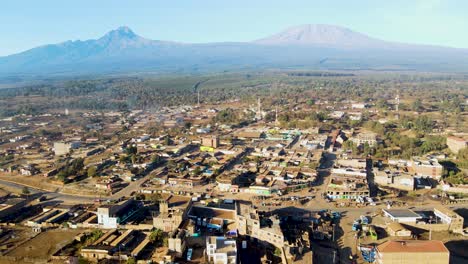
{"type": "Point", "coordinates": [131, 260]}
{"type": "Point", "coordinates": [277, 251]}
{"type": "Point", "coordinates": [92, 171]}
{"type": "Point", "coordinates": [157, 236]}
{"type": "Point", "coordinates": [197, 171]}
{"type": "Point", "coordinates": [417, 105]}
{"type": "Point", "coordinates": [26, 191]}
{"type": "Point", "coordinates": [131, 150]}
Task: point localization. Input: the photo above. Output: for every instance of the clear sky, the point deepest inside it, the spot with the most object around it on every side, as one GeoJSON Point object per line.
{"type": "Point", "coordinates": [28, 23]}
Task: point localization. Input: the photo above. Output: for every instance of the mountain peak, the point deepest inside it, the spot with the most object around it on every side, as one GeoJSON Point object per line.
{"type": "Point", "coordinates": [318, 34]}
{"type": "Point", "coordinates": [122, 32]}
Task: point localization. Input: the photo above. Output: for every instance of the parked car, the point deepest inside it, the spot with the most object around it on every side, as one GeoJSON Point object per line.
{"type": "Point", "coordinates": [189, 254]}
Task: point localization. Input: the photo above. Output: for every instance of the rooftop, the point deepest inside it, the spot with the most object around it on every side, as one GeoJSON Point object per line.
{"type": "Point", "coordinates": [413, 246]}
{"type": "Point", "coordinates": [401, 213]}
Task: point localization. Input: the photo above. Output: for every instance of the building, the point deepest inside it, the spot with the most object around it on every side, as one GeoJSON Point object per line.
{"type": "Point", "coordinates": [352, 163]}
{"type": "Point", "coordinates": [427, 168]}
{"type": "Point", "coordinates": [221, 250]}
{"type": "Point", "coordinates": [412, 252]}
{"type": "Point", "coordinates": [176, 242]}
{"type": "Point", "coordinates": [111, 215]}
{"type": "Point", "coordinates": [116, 245]}
{"type": "Point", "coordinates": [358, 105]}
{"type": "Point", "coordinates": [63, 148]}
{"type": "Point", "coordinates": [249, 223]}
{"type": "Point", "coordinates": [401, 215]}
{"type": "Point", "coordinates": [455, 144]}
{"type": "Point", "coordinates": [363, 138]}
{"type": "Point", "coordinates": [172, 211]}
{"type": "Point", "coordinates": [210, 141]}
{"type": "Point", "coordinates": [11, 206]}
{"type": "Point", "coordinates": [447, 216]}
{"type": "Point", "coordinates": [342, 187]}
{"type": "Point", "coordinates": [396, 229]}
{"type": "Point", "coordinates": [394, 179]}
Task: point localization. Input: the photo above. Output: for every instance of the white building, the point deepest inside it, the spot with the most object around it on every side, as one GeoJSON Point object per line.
{"type": "Point", "coordinates": [221, 250]}
{"type": "Point", "coordinates": [401, 215]}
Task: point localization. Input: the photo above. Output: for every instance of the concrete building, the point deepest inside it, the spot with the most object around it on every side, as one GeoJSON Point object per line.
{"type": "Point", "coordinates": [455, 144]}
{"type": "Point", "coordinates": [447, 216]}
{"type": "Point", "coordinates": [401, 215]}
{"type": "Point", "coordinates": [111, 215]}
{"type": "Point", "coordinates": [172, 211]}
{"type": "Point", "coordinates": [221, 250]}
{"type": "Point", "coordinates": [210, 141]}
{"type": "Point", "coordinates": [427, 168]}
{"type": "Point", "coordinates": [63, 148]}
{"type": "Point", "coordinates": [363, 138]}
{"type": "Point", "coordinates": [412, 252]}
{"type": "Point", "coordinates": [11, 206]}
{"type": "Point", "coordinates": [345, 187]}
{"type": "Point", "coordinates": [176, 242]}
{"type": "Point", "coordinates": [396, 229]}
{"type": "Point", "coordinates": [394, 179]}
{"type": "Point", "coordinates": [250, 224]}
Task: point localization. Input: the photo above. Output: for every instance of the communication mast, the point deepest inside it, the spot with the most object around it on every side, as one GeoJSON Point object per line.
{"type": "Point", "coordinates": [259, 109]}
{"type": "Point", "coordinates": [397, 104]}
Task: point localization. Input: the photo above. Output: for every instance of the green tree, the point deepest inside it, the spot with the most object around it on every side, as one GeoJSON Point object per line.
{"type": "Point", "coordinates": [26, 191]}
{"type": "Point", "coordinates": [417, 105]}
{"type": "Point", "coordinates": [157, 236]}
{"type": "Point", "coordinates": [92, 171]}
{"type": "Point", "coordinates": [277, 251]}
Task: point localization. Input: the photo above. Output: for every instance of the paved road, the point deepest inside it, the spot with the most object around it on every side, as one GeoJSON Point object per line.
{"type": "Point", "coordinates": [133, 186]}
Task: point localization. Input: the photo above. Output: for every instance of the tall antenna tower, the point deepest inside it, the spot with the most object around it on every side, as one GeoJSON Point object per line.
{"type": "Point", "coordinates": [276, 115]}
{"type": "Point", "coordinates": [397, 102]}
{"type": "Point", "coordinates": [259, 109]}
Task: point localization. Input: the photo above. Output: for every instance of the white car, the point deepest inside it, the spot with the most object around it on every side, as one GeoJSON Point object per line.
{"type": "Point", "coordinates": [189, 254]}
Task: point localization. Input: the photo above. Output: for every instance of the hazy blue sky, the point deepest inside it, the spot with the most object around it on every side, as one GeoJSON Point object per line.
{"type": "Point", "coordinates": [26, 24]}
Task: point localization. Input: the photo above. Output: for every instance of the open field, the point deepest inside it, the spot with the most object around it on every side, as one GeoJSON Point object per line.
{"type": "Point", "coordinates": [44, 244]}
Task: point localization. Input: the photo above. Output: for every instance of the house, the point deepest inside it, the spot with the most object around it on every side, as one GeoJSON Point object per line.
{"type": "Point", "coordinates": [447, 216]}
{"type": "Point", "coordinates": [358, 106]}
{"type": "Point", "coordinates": [111, 215]}
{"type": "Point", "coordinates": [210, 141]}
{"type": "Point", "coordinates": [63, 148]}
{"type": "Point", "coordinates": [396, 229]}
{"type": "Point", "coordinates": [402, 215]}
{"type": "Point", "coordinates": [365, 138]}
{"type": "Point", "coordinates": [221, 250]}
{"type": "Point", "coordinates": [172, 211]}
{"type": "Point", "coordinates": [266, 230]}
{"type": "Point", "coordinates": [11, 206]}
{"type": "Point", "coordinates": [427, 168]}
{"type": "Point", "coordinates": [394, 178]}
{"type": "Point", "coordinates": [249, 134]}
{"type": "Point", "coordinates": [347, 187]}
{"type": "Point", "coordinates": [412, 252]}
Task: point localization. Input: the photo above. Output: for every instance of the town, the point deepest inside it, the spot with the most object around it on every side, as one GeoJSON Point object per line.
{"type": "Point", "coordinates": [264, 179]}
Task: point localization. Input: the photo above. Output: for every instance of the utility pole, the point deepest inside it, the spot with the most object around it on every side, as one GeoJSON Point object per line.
{"type": "Point", "coordinates": [333, 236]}
{"type": "Point", "coordinates": [198, 96]}
{"type": "Point", "coordinates": [397, 102]}
{"type": "Point", "coordinates": [276, 115]}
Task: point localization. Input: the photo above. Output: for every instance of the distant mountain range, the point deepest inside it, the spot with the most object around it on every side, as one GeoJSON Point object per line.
{"type": "Point", "coordinates": [312, 47]}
